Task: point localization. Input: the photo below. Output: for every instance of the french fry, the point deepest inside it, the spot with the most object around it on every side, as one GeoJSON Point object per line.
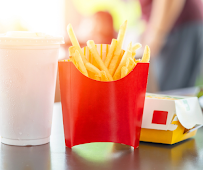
{"type": "Point", "coordinates": [124, 71]}
{"type": "Point", "coordinates": [114, 65]}
{"type": "Point", "coordinates": [97, 77]}
{"type": "Point", "coordinates": [92, 69]}
{"type": "Point", "coordinates": [116, 57]}
{"type": "Point", "coordinates": [71, 50]}
{"type": "Point", "coordinates": [75, 42]}
{"type": "Point", "coordinates": [93, 60]}
{"type": "Point", "coordinates": [110, 53]}
{"type": "Point", "coordinates": [130, 64]}
{"type": "Point", "coordinates": [103, 76]}
{"type": "Point", "coordinates": [129, 48]}
{"type": "Point", "coordinates": [126, 55]}
{"type": "Point", "coordinates": [134, 48]}
{"type": "Point", "coordinates": [104, 51]}
{"type": "Point", "coordinates": [80, 63]}
{"type": "Point", "coordinates": [146, 55]}
{"type": "Point", "coordinates": [91, 46]}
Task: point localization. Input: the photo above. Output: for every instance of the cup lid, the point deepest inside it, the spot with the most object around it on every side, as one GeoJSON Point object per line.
{"type": "Point", "coordinates": [29, 38]}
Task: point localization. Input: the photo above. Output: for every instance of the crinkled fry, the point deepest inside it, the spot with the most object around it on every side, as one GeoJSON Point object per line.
{"type": "Point", "coordinates": [124, 71]}
{"type": "Point", "coordinates": [146, 55]}
{"type": "Point", "coordinates": [126, 55]}
{"type": "Point", "coordinates": [91, 46]}
{"type": "Point", "coordinates": [130, 64]}
{"type": "Point", "coordinates": [134, 48]}
{"type": "Point", "coordinates": [116, 57]}
{"type": "Point", "coordinates": [80, 63]}
{"type": "Point", "coordinates": [110, 53]}
{"type": "Point", "coordinates": [103, 76]}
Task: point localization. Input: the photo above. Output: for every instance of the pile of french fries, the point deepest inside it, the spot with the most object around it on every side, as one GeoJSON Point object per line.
{"type": "Point", "coordinates": [117, 63]}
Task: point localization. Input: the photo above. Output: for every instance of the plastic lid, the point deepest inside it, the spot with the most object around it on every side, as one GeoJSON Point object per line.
{"type": "Point", "coordinates": [29, 38]}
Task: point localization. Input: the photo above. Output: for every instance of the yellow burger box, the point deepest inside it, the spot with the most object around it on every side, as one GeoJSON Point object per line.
{"type": "Point", "coordinates": [170, 119]}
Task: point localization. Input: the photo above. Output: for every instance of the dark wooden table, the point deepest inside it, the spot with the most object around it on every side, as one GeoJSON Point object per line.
{"type": "Point", "coordinates": [186, 155]}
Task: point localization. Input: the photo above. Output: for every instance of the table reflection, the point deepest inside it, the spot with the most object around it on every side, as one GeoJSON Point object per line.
{"type": "Point", "coordinates": [166, 156]}
{"type": "Point", "coordinates": [100, 156]}
{"type": "Point", "coordinates": [118, 156]}
{"type": "Point", "coordinates": [25, 158]}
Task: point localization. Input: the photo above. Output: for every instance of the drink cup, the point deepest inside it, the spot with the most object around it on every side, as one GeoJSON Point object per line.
{"type": "Point", "coordinates": [28, 67]}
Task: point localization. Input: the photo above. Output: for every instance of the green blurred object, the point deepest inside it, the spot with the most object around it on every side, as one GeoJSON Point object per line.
{"type": "Point", "coordinates": [120, 10]}
{"type": "Point", "coordinates": [199, 81]}
{"type": "Point", "coordinates": [97, 152]}
{"type": "Point", "coordinates": [101, 152]}
{"type": "Point", "coordinates": [200, 93]}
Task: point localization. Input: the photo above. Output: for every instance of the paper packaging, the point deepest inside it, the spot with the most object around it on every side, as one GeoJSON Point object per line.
{"type": "Point", "coordinates": [95, 111]}
{"type": "Point", "coordinates": [170, 119]}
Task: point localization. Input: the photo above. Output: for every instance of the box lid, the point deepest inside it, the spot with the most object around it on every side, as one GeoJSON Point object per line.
{"type": "Point", "coordinates": [189, 112]}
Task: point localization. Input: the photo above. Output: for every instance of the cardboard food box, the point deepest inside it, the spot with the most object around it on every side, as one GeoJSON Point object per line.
{"type": "Point", "coordinates": [170, 119]}
{"type": "Point", "coordinates": [95, 111]}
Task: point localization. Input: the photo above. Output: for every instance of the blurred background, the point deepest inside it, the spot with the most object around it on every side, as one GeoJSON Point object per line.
{"type": "Point", "coordinates": [172, 29]}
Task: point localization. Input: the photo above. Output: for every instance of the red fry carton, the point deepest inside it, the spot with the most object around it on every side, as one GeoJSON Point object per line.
{"type": "Point", "coordinates": [95, 111]}
{"type": "Point", "coordinates": [170, 119]}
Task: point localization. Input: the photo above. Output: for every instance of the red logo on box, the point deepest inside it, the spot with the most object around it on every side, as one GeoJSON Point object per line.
{"type": "Point", "coordinates": [159, 117]}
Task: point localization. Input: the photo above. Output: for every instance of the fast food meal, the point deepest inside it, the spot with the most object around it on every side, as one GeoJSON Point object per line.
{"type": "Point", "coordinates": [92, 100]}
{"type": "Point", "coordinates": [117, 63]}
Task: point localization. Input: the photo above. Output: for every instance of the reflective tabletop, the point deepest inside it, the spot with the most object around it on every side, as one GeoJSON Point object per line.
{"type": "Point", "coordinates": [186, 155]}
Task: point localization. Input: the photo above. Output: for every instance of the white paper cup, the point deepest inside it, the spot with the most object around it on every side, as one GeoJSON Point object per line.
{"type": "Point", "coordinates": [28, 67]}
